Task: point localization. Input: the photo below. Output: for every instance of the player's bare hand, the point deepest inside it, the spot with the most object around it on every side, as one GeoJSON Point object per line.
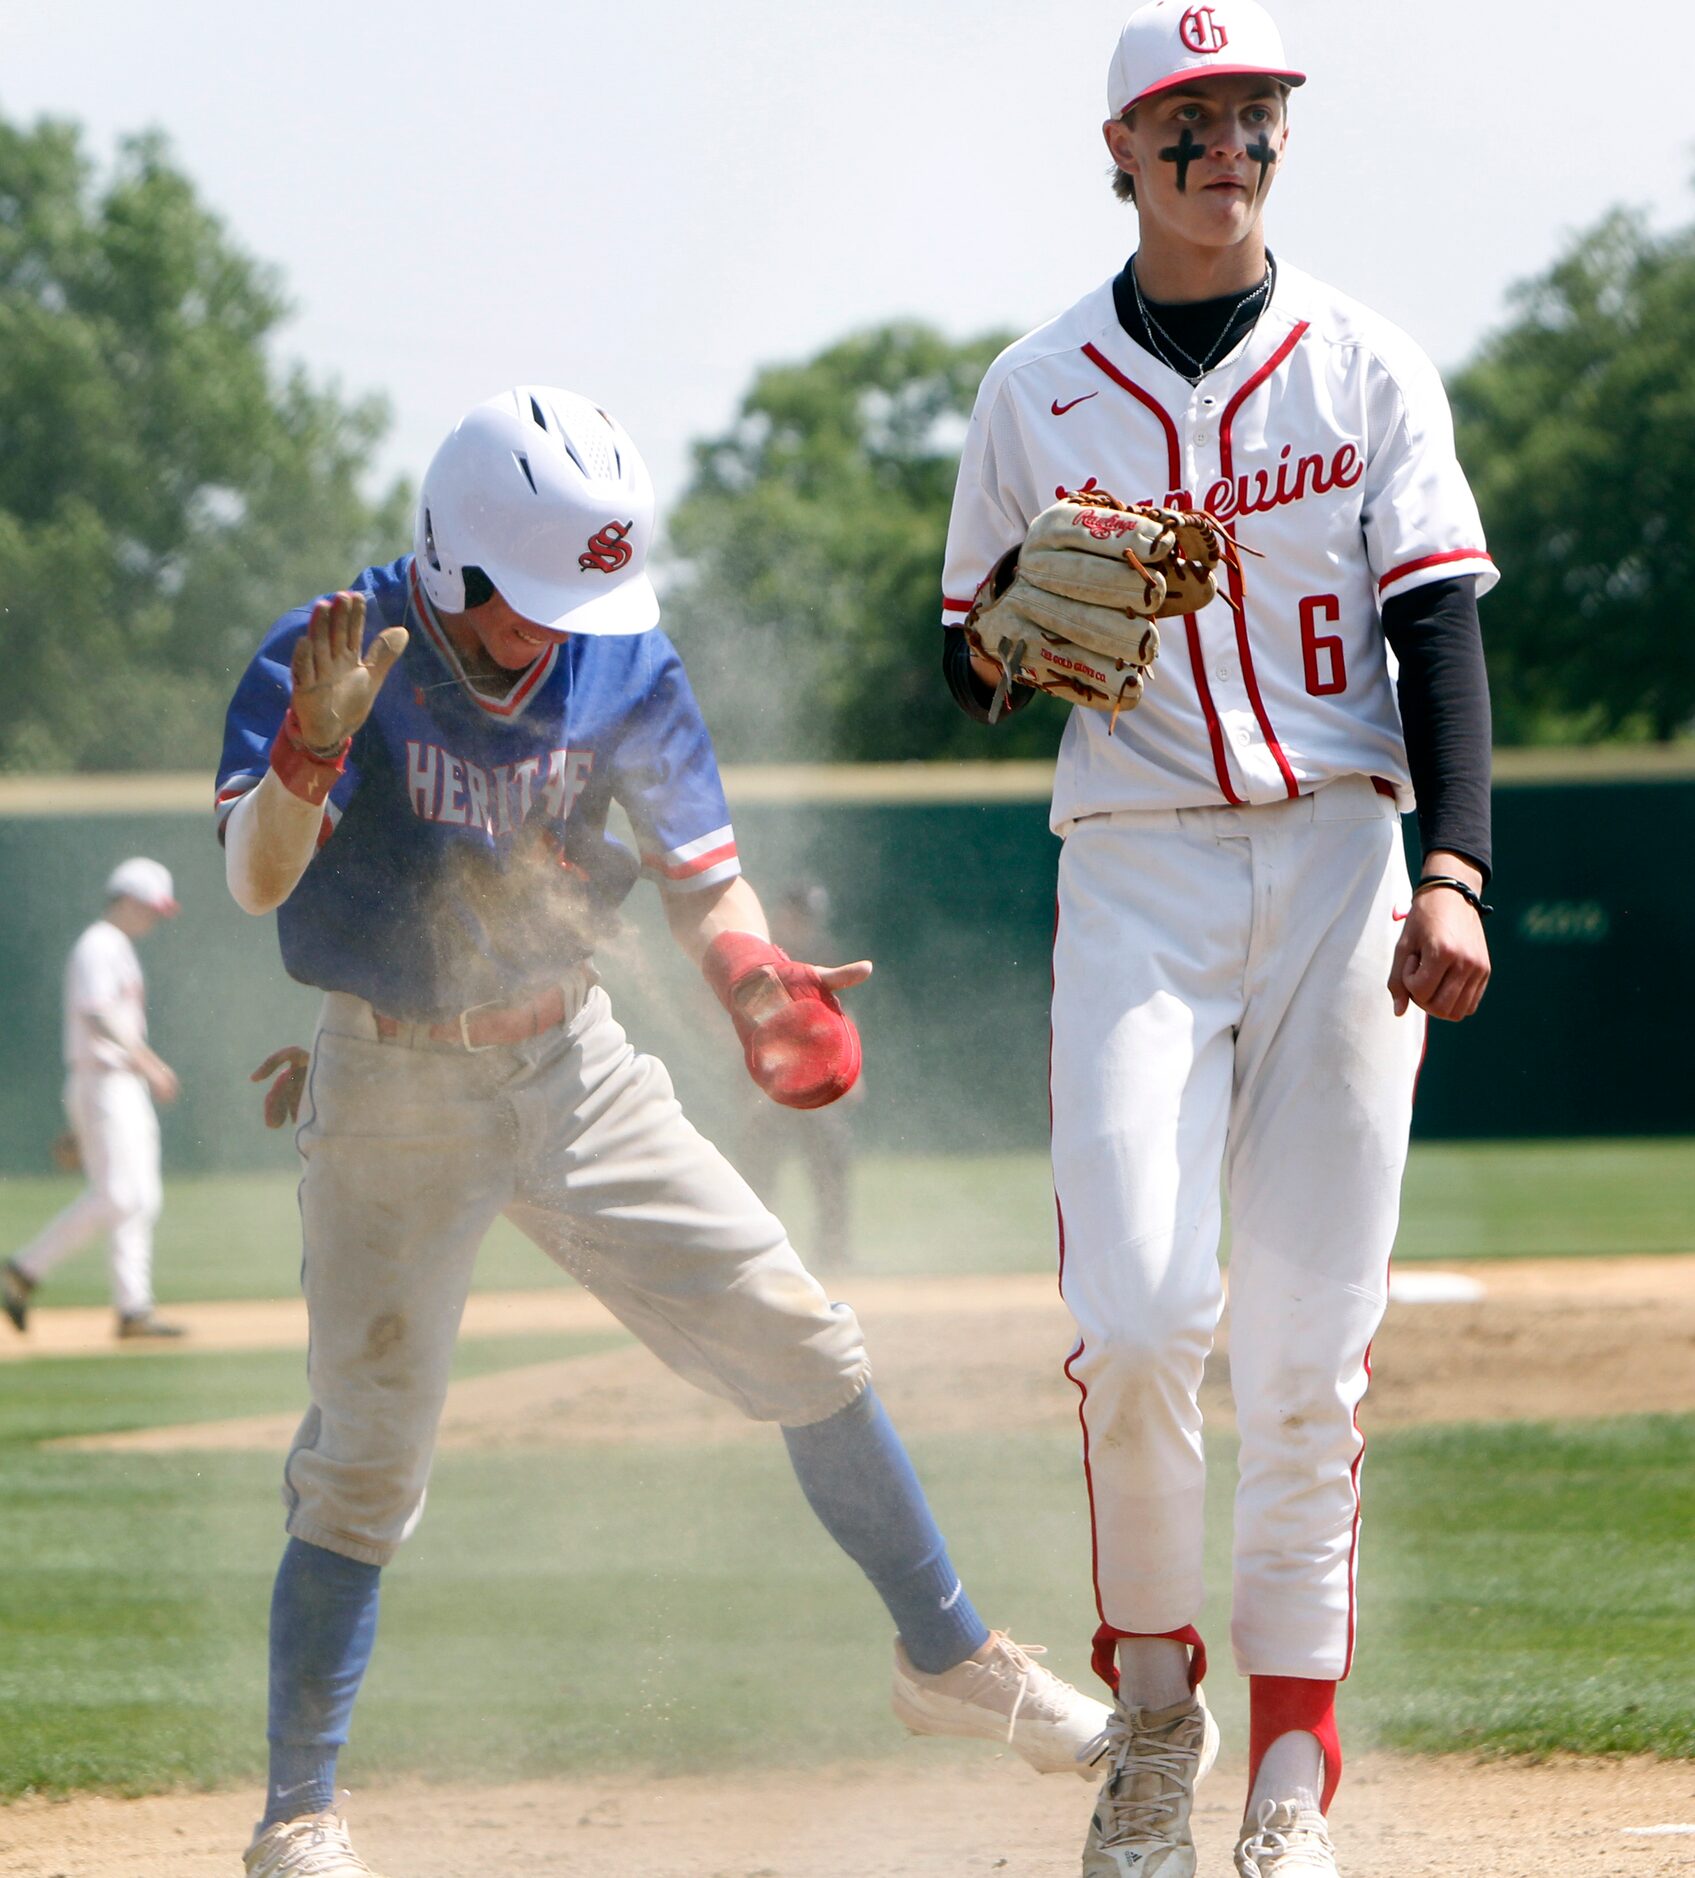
{"type": "Point", "coordinates": [988, 669]}
{"type": "Point", "coordinates": [162, 1083]}
{"type": "Point", "coordinates": [282, 1099]}
{"type": "Point", "coordinates": [1442, 961]}
{"type": "Point", "coordinates": [844, 977]}
{"type": "Point", "coordinates": [335, 685]}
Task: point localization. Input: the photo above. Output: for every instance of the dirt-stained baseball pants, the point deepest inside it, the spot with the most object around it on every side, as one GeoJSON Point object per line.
{"type": "Point", "coordinates": [412, 1150]}
{"type": "Point", "coordinates": [1219, 1010]}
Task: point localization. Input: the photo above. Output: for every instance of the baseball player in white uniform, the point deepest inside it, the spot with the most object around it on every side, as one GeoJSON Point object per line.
{"type": "Point", "coordinates": [113, 1077]}
{"type": "Point", "coordinates": [1242, 969]}
{"type": "Point", "coordinates": [416, 778]}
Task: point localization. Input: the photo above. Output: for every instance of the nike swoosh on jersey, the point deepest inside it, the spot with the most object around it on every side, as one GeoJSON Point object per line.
{"type": "Point", "coordinates": [1059, 410]}
{"type": "Point", "coordinates": [1398, 917]}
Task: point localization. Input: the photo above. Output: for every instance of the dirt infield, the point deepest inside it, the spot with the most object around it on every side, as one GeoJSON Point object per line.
{"type": "Point", "coordinates": [1552, 1339]}
{"type": "Point", "coordinates": [1393, 1819]}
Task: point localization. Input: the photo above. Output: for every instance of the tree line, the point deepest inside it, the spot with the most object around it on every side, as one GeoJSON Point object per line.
{"type": "Point", "coordinates": [165, 491]}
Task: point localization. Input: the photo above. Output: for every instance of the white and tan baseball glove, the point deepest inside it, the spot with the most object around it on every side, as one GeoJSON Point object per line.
{"type": "Point", "coordinates": [1071, 609]}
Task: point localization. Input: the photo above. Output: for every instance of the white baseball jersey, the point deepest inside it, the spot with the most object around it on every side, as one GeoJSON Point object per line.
{"type": "Point", "coordinates": [1325, 444]}
{"type": "Point", "coordinates": [112, 1117]}
{"type": "Point", "coordinates": [102, 975]}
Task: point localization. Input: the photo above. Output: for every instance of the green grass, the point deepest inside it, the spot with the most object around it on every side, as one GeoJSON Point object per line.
{"type": "Point", "coordinates": [1524, 1590]}
{"type": "Point", "coordinates": [1548, 1199]}
{"type": "Point", "coordinates": [1528, 1589]}
{"type": "Point", "coordinates": [86, 1395]}
{"type": "Point", "coordinates": [237, 1236]}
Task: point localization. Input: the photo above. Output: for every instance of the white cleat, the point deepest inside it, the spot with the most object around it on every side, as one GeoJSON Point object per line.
{"type": "Point", "coordinates": [1283, 1839]}
{"type": "Point", "coordinates": [1003, 1696]}
{"type": "Point", "coordinates": [1154, 1760]}
{"type": "Point", "coordinates": [314, 1847]}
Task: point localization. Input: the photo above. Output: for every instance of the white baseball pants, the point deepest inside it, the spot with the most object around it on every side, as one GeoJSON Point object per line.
{"type": "Point", "coordinates": [1220, 1015]}
{"type": "Point", "coordinates": [117, 1131]}
{"type": "Point", "coordinates": [411, 1151]}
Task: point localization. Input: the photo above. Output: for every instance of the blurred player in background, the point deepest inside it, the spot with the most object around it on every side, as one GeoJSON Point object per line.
{"type": "Point", "coordinates": [113, 1079]}
{"type": "Point", "coordinates": [416, 779]}
{"type": "Point", "coordinates": [820, 1139]}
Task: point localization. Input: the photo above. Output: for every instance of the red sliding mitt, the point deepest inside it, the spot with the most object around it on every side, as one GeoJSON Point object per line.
{"type": "Point", "coordinates": [801, 1046]}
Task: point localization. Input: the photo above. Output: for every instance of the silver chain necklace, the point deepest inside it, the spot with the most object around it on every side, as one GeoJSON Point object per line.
{"type": "Point", "coordinates": [1197, 369]}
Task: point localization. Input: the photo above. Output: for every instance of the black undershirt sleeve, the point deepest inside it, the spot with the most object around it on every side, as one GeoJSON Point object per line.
{"type": "Point", "coordinates": [1435, 635]}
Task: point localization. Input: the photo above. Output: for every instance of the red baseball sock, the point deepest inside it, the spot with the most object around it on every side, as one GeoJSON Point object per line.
{"type": "Point", "coordinates": [1105, 1656]}
{"type": "Point", "coordinates": [1282, 1705]}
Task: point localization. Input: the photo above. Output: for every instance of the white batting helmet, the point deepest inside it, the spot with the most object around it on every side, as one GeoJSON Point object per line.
{"type": "Point", "coordinates": [1170, 41]}
{"type": "Point", "coordinates": [541, 494]}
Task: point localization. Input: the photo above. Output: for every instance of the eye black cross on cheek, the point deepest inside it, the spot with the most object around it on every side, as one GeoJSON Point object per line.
{"type": "Point", "coordinates": [1183, 153]}
{"type": "Point", "coordinates": [1265, 156]}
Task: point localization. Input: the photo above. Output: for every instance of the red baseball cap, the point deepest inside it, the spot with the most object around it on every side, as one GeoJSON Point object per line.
{"type": "Point", "coordinates": [1170, 42]}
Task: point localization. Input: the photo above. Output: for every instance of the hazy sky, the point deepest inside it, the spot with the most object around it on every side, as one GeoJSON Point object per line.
{"type": "Point", "coordinates": [645, 203]}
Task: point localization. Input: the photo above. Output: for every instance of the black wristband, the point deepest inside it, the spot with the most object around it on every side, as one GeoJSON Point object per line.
{"type": "Point", "coordinates": [1468, 894]}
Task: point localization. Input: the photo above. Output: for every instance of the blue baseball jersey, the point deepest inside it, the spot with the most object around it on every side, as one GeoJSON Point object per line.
{"type": "Point", "coordinates": [464, 857]}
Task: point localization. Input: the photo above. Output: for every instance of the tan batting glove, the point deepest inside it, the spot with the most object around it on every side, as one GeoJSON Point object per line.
{"type": "Point", "coordinates": [334, 685]}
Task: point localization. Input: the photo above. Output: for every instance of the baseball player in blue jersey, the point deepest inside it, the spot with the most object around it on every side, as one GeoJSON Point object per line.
{"type": "Point", "coordinates": [416, 778]}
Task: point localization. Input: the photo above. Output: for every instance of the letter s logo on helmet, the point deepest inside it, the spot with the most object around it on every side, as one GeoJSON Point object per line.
{"type": "Point", "coordinates": [608, 550]}
{"type": "Point", "coordinates": [517, 488]}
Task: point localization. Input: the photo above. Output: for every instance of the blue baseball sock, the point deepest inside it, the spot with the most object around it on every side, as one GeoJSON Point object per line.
{"type": "Point", "coordinates": [855, 1473]}
{"type": "Point", "coordinates": [323, 1624]}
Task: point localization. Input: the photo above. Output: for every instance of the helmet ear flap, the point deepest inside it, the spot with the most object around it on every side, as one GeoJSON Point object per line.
{"type": "Point", "coordinates": [479, 589]}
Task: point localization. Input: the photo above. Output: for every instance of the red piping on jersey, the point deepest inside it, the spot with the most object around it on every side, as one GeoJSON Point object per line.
{"type": "Point", "coordinates": [1226, 469]}
{"type": "Point", "coordinates": [1173, 448]}
{"type": "Point", "coordinates": [1174, 480]}
{"type": "Point", "coordinates": [655, 863]}
{"type": "Point", "coordinates": [956, 606]}
{"type": "Point", "coordinates": [515, 699]}
{"type": "Point", "coordinates": [1215, 730]}
{"type": "Point", "coordinates": [1433, 560]}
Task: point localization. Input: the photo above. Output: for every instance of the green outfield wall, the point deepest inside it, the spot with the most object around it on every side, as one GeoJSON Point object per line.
{"type": "Point", "coordinates": [946, 878]}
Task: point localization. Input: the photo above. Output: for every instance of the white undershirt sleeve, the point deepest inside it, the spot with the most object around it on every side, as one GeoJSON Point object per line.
{"type": "Point", "coordinates": [269, 838]}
